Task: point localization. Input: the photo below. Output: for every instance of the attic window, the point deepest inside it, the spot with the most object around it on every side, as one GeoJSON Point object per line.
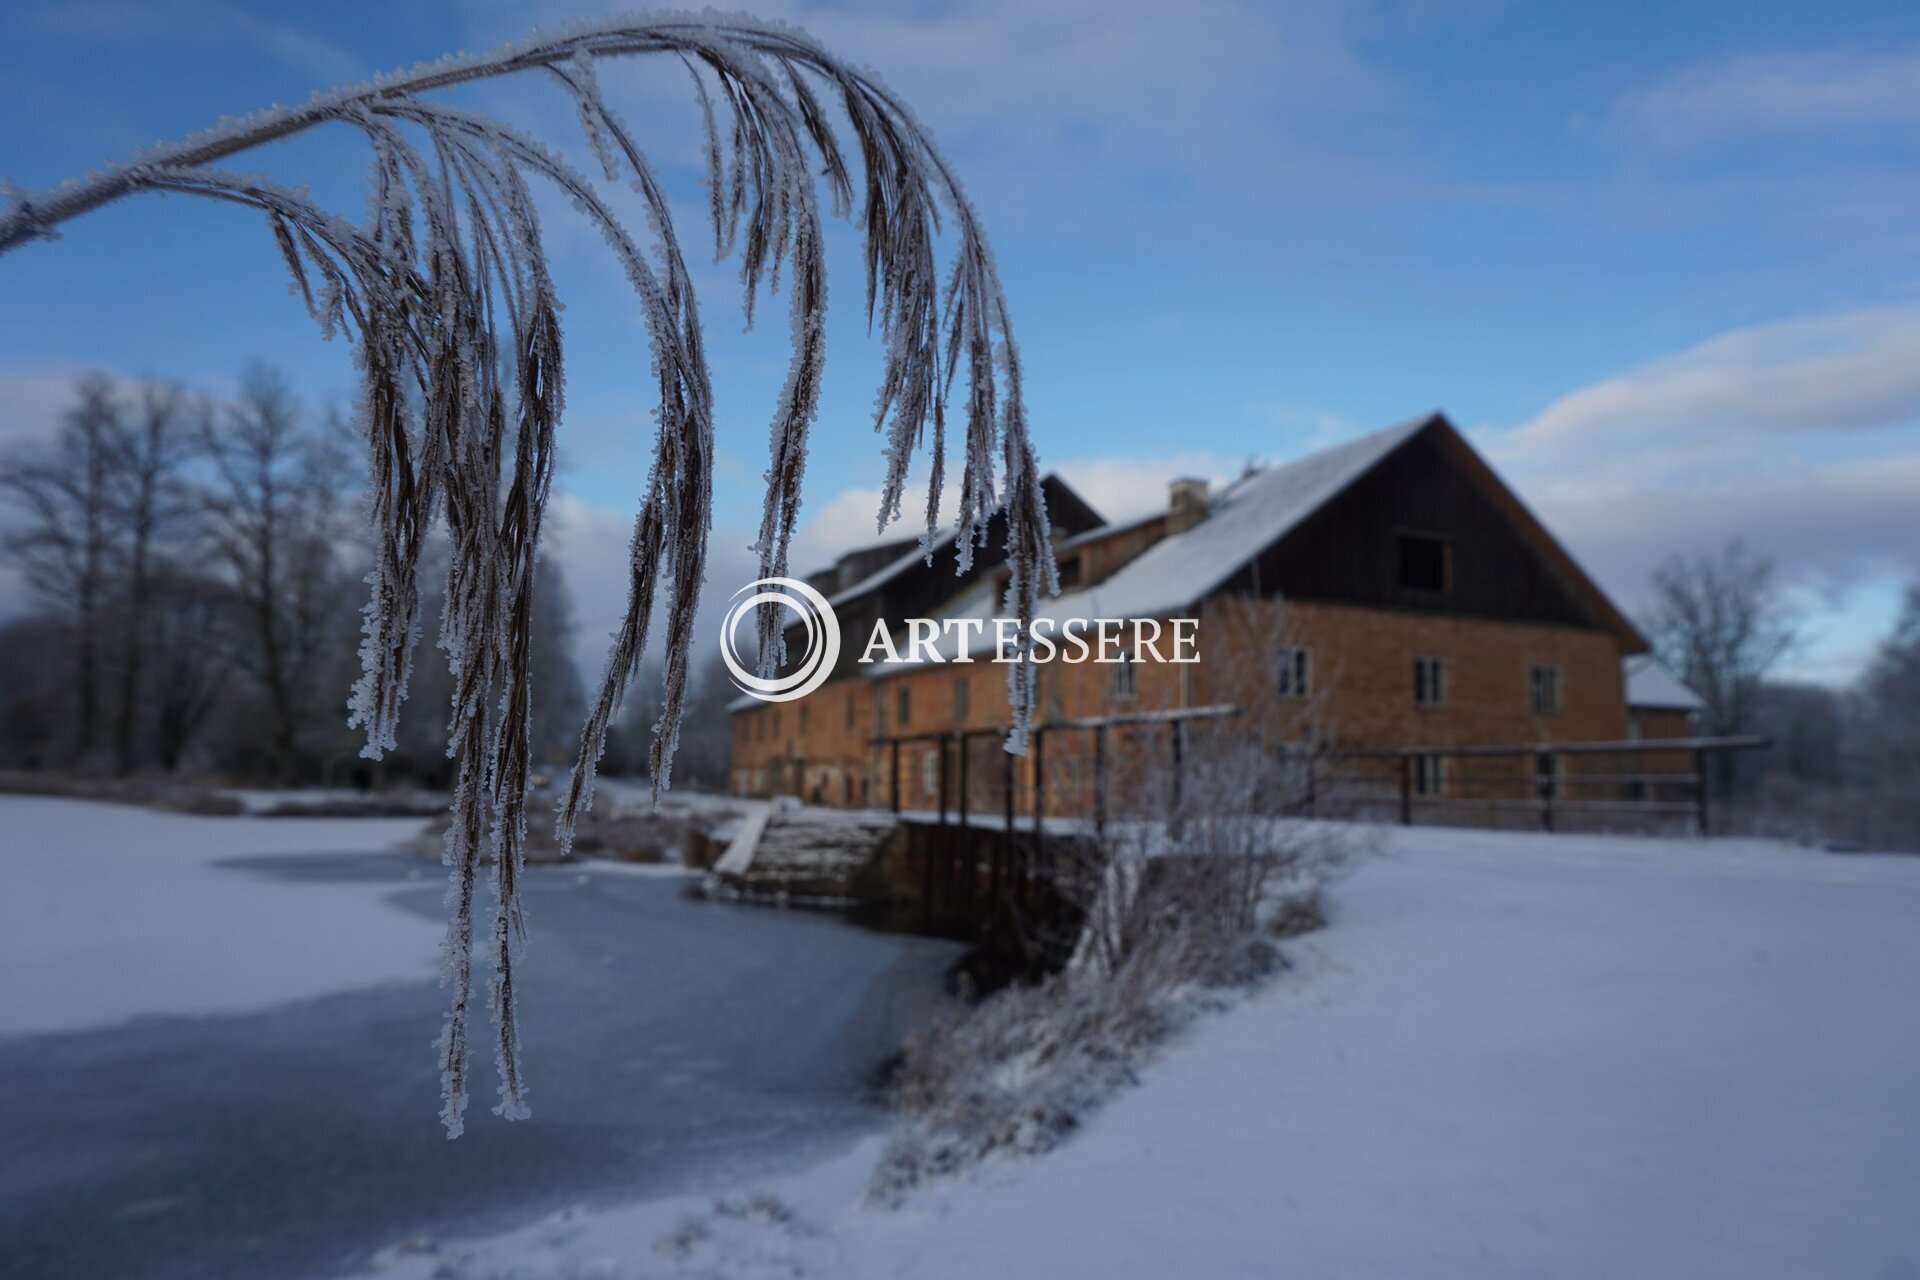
{"type": "Point", "coordinates": [1429, 682]}
{"type": "Point", "coordinates": [1546, 690]}
{"type": "Point", "coordinates": [1423, 562]}
{"type": "Point", "coordinates": [1069, 567]}
{"type": "Point", "coordinates": [1291, 676]}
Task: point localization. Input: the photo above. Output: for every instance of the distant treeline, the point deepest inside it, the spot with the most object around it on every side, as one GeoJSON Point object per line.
{"type": "Point", "coordinates": [194, 572]}
{"type": "Point", "coordinates": [1844, 764]}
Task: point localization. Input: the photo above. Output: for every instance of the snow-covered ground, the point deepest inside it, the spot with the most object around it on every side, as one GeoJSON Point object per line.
{"type": "Point", "coordinates": [1509, 1055]}
{"type": "Point", "coordinates": [111, 911]}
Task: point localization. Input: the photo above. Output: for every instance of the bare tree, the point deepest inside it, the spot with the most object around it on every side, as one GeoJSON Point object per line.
{"type": "Point", "coordinates": [446, 291]}
{"type": "Point", "coordinates": [190, 635]}
{"type": "Point", "coordinates": [1203, 865]}
{"type": "Point", "coordinates": [1718, 622]}
{"type": "Point", "coordinates": [556, 719]}
{"type": "Point", "coordinates": [64, 544]}
{"type": "Point", "coordinates": [709, 733]}
{"type": "Point", "coordinates": [149, 501]}
{"type": "Point", "coordinates": [1205, 835]}
{"type": "Point", "coordinates": [272, 519]}
{"type": "Point", "coordinates": [1888, 752]}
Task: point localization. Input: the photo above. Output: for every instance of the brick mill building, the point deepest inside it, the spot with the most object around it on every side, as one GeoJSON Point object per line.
{"type": "Point", "coordinates": [1415, 602]}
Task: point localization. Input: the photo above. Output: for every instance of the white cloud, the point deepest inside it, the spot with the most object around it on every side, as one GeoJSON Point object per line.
{"type": "Point", "coordinates": [1118, 488]}
{"type": "Point", "coordinates": [1036, 99]}
{"type": "Point", "coordinates": [1770, 94]}
{"type": "Point", "coordinates": [1827, 525]}
{"type": "Point", "coordinates": [31, 403]}
{"type": "Point", "coordinates": [1855, 370]}
{"type": "Point", "coordinates": [1124, 488]}
{"type": "Point", "coordinates": [206, 22]}
{"type": "Point", "coordinates": [591, 545]}
{"type": "Point", "coordinates": [1801, 437]}
{"type": "Point", "coordinates": [590, 542]}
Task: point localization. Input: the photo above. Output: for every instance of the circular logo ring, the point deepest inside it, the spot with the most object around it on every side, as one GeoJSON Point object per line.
{"type": "Point", "coordinates": [823, 639]}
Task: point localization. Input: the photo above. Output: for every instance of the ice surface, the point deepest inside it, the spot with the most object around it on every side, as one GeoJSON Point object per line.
{"type": "Point", "coordinates": [1510, 1054]}
{"type": "Point", "coordinates": [112, 911]}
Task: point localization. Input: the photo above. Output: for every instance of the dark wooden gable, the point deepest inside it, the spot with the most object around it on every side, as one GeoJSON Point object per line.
{"type": "Point", "coordinates": [919, 590]}
{"type": "Point", "coordinates": [1368, 543]}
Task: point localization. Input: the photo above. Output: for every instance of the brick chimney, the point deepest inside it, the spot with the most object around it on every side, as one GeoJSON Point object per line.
{"type": "Point", "coordinates": [1186, 503]}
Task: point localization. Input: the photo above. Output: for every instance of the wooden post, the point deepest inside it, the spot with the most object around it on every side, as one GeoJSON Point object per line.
{"type": "Point", "coordinates": [1011, 783]}
{"type": "Point", "coordinates": [960, 745]}
{"type": "Point", "coordinates": [1406, 789]}
{"type": "Point", "coordinates": [893, 780]}
{"type": "Point", "coordinates": [1039, 780]}
{"type": "Point", "coordinates": [1100, 781]}
{"type": "Point", "coordinates": [928, 915]}
{"type": "Point", "coordinates": [1037, 861]}
{"type": "Point", "coordinates": [941, 745]}
{"type": "Point", "coordinates": [1008, 866]}
{"type": "Point", "coordinates": [1700, 790]}
{"type": "Point", "coordinates": [1179, 765]}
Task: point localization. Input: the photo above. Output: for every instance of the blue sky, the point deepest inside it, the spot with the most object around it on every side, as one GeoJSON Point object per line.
{"type": "Point", "coordinates": [1661, 261]}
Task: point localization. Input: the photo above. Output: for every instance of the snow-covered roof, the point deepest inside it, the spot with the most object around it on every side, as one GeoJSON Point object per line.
{"type": "Point", "coordinates": [1651, 685]}
{"type": "Point", "coordinates": [919, 551]}
{"type": "Point", "coordinates": [1248, 517]}
{"type": "Point", "coordinates": [892, 569]}
{"type": "Point", "coordinates": [1245, 519]}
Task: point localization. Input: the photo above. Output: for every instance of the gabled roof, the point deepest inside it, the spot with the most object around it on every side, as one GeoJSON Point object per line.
{"type": "Point", "coordinates": [1244, 519]}
{"type": "Point", "coordinates": [1652, 686]}
{"type": "Point", "coordinates": [1059, 495]}
{"type": "Point", "coordinates": [1257, 511]}
{"type": "Point", "coordinates": [1575, 578]}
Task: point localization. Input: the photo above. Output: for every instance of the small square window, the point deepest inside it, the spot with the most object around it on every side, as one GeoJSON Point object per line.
{"type": "Point", "coordinates": [1429, 775]}
{"type": "Point", "coordinates": [1293, 672]}
{"type": "Point", "coordinates": [1424, 562]}
{"type": "Point", "coordinates": [1429, 682]}
{"type": "Point", "coordinates": [1546, 690]}
{"type": "Point", "coordinates": [1123, 678]}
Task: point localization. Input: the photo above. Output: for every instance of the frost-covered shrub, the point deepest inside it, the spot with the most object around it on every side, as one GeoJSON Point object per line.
{"type": "Point", "coordinates": [1018, 1072]}
{"type": "Point", "coordinates": [444, 289]}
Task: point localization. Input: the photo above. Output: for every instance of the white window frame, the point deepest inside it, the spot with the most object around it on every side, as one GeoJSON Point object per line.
{"type": "Point", "coordinates": [1553, 683]}
{"type": "Point", "coordinates": [930, 771]}
{"type": "Point", "coordinates": [1434, 680]}
{"type": "Point", "coordinates": [1293, 671]}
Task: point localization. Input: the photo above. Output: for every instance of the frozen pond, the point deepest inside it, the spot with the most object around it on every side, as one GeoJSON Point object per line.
{"type": "Point", "coordinates": [672, 1045]}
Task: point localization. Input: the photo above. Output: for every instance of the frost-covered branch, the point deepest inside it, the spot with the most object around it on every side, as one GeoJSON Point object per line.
{"type": "Point", "coordinates": [443, 288]}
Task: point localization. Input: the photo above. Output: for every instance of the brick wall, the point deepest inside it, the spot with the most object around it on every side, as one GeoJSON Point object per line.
{"type": "Point", "coordinates": [1361, 682]}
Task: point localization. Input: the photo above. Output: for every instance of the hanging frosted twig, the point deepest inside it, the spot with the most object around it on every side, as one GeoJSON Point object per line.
{"type": "Point", "coordinates": [444, 290]}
